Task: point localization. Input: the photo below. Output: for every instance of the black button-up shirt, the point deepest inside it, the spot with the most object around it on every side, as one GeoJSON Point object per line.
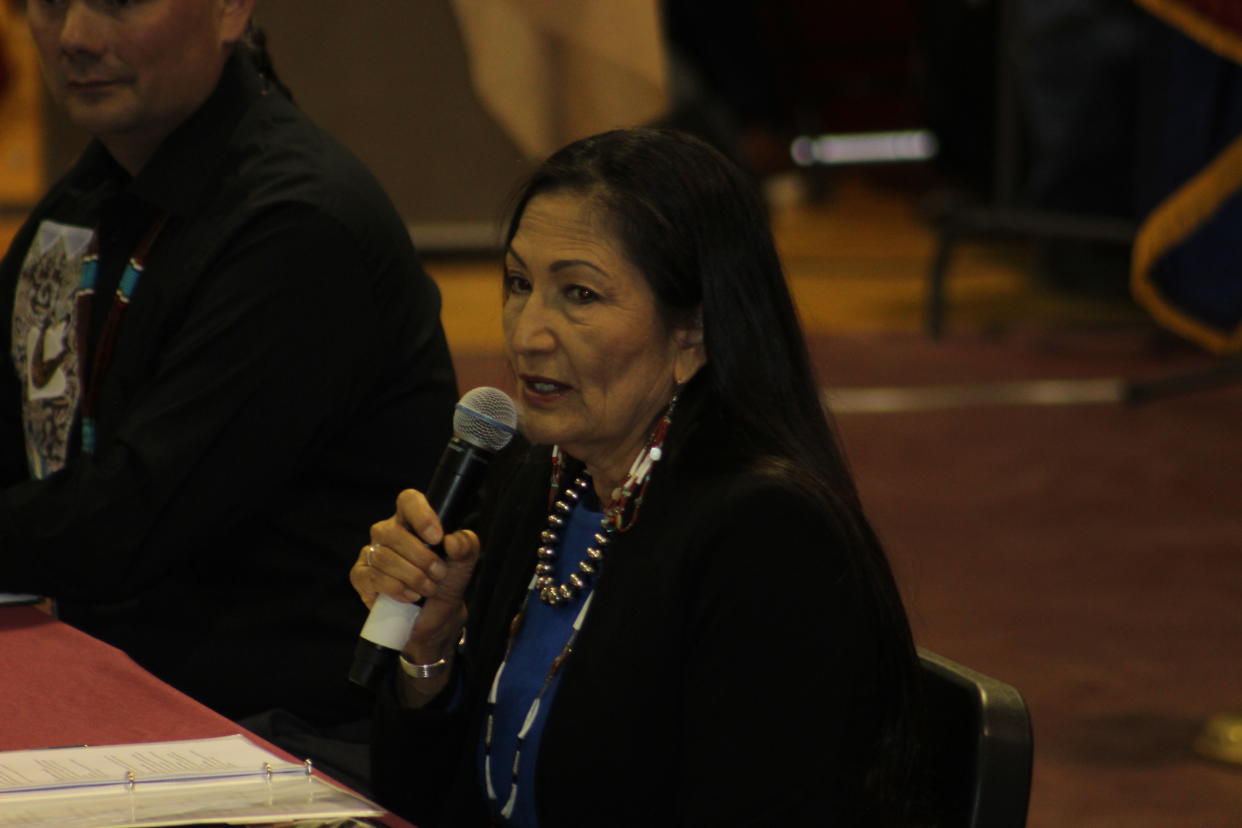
{"type": "Point", "coordinates": [279, 375]}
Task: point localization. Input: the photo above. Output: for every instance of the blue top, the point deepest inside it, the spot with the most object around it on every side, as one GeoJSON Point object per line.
{"type": "Point", "coordinates": [544, 633]}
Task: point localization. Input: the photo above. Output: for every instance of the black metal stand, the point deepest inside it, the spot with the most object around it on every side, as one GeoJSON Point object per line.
{"type": "Point", "coordinates": [1224, 371]}
{"type": "Point", "coordinates": [1002, 221]}
{"type": "Point", "coordinates": [1003, 216]}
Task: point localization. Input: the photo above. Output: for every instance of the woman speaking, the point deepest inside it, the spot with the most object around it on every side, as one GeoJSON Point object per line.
{"type": "Point", "coordinates": [675, 611]}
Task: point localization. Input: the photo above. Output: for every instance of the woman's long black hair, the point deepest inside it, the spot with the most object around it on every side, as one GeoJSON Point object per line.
{"type": "Point", "coordinates": [693, 225]}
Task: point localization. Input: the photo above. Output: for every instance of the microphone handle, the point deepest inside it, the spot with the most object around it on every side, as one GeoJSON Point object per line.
{"type": "Point", "coordinates": [451, 492]}
{"type": "Point", "coordinates": [456, 481]}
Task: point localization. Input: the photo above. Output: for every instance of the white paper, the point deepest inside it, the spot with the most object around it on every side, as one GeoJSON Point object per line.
{"type": "Point", "coordinates": [164, 783]}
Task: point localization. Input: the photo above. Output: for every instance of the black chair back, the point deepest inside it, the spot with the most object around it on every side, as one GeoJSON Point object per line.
{"type": "Point", "coordinates": [976, 747]}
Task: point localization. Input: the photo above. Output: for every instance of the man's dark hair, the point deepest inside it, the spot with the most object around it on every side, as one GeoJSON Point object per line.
{"type": "Point", "coordinates": [254, 41]}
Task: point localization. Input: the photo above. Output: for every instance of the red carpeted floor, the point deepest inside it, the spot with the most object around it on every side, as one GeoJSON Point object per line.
{"type": "Point", "coordinates": [1091, 555]}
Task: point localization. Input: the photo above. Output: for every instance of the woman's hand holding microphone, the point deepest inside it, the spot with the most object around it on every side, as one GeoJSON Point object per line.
{"type": "Point", "coordinates": [399, 563]}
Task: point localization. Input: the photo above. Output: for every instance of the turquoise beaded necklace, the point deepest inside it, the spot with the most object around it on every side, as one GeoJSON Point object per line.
{"type": "Point", "coordinates": [84, 301]}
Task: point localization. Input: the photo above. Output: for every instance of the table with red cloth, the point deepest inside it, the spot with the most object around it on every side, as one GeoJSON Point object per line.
{"type": "Point", "coordinates": [59, 686]}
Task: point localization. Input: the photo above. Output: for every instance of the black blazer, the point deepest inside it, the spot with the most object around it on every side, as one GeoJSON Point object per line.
{"type": "Point", "coordinates": [699, 691]}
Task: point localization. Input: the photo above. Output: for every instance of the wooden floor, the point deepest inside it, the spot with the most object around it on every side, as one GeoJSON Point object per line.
{"type": "Point", "coordinates": [857, 262]}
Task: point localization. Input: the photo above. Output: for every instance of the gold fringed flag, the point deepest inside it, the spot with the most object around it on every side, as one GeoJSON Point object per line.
{"type": "Point", "coordinates": [1186, 267]}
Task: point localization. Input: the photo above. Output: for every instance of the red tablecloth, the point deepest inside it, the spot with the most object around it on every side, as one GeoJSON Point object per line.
{"type": "Point", "coordinates": [59, 686]}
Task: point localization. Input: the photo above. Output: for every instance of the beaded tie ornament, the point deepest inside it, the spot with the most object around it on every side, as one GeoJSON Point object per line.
{"type": "Point", "coordinates": [93, 373]}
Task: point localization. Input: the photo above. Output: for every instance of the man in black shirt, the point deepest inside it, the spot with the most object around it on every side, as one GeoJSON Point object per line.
{"type": "Point", "coordinates": [220, 361]}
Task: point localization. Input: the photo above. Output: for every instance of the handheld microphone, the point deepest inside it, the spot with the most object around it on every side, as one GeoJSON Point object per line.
{"type": "Point", "coordinates": [483, 423]}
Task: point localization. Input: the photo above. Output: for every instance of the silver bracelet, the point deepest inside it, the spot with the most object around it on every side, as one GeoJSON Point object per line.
{"type": "Point", "coordinates": [422, 671]}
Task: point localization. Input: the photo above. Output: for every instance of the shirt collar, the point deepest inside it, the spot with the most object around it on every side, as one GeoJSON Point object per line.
{"type": "Point", "coordinates": [190, 159]}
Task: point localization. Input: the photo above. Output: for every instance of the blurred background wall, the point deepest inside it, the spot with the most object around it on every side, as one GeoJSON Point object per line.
{"type": "Point", "coordinates": [391, 79]}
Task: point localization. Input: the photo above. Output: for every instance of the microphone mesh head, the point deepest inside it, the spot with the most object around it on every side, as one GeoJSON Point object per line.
{"type": "Point", "coordinates": [485, 418]}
